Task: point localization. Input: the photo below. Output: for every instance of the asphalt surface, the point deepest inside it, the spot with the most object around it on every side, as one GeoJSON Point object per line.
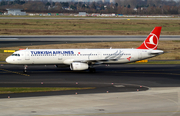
{"type": "Point", "coordinates": [128, 77]}
{"type": "Point", "coordinates": [9, 41]}
{"type": "Point", "coordinates": [81, 18]}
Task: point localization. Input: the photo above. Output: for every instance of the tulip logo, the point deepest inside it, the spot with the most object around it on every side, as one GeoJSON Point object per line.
{"type": "Point", "coordinates": [151, 42]}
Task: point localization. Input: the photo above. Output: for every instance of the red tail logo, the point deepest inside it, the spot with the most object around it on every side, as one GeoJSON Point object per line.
{"type": "Point", "coordinates": [152, 40]}
{"type": "Point", "coordinates": [129, 58]}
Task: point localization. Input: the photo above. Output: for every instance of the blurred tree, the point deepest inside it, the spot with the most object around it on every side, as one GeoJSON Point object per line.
{"type": "Point", "coordinates": [53, 3]}
{"type": "Point", "coordinates": [48, 4]}
{"type": "Point", "coordinates": [116, 5]}
{"type": "Point", "coordinates": [73, 7]}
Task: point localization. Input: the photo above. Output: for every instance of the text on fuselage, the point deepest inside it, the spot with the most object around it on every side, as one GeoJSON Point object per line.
{"type": "Point", "coordinates": [52, 52]}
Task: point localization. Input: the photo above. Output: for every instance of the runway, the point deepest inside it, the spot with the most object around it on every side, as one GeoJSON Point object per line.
{"type": "Point", "coordinates": [81, 18]}
{"type": "Point", "coordinates": [9, 41]}
{"type": "Point", "coordinates": [140, 74]}
{"type": "Point", "coordinates": [159, 95]}
{"type": "Point", "coordinates": [129, 76]}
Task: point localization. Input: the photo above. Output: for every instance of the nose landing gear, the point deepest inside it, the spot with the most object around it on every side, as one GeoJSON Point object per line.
{"type": "Point", "coordinates": [25, 69]}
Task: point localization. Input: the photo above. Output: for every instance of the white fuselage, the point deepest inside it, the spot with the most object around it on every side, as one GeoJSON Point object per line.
{"type": "Point", "coordinates": [68, 56]}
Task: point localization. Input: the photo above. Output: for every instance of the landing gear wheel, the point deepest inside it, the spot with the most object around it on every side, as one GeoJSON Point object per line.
{"type": "Point", "coordinates": [92, 70]}
{"type": "Point", "coordinates": [25, 71]}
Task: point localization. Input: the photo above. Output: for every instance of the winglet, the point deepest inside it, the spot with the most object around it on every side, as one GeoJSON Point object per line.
{"type": "Point", "coordinates": [151, 41]}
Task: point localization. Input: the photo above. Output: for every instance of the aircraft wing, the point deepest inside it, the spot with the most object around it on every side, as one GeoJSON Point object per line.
{"type": "Point", "coordinates": [94, 61]}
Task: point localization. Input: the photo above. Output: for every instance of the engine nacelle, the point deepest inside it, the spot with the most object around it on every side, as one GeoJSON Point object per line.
{"type": "Point", "coordinates": [78, 66]}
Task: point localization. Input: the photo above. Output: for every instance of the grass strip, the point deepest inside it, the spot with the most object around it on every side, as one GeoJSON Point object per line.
{"type": "Point", "coordinates": [5, 90]}
{"type": "Point", "coordinates": [86, 27]}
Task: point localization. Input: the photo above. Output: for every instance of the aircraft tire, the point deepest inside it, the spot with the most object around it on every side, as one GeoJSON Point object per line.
{"type": "Point", "coordinates": [25, 71]}
{"type": "Point", "coordinates": [92, 70]}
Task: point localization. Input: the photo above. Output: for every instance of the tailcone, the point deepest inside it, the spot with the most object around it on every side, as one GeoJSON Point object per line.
{"type": "Point", "coordinates": [156, 52]}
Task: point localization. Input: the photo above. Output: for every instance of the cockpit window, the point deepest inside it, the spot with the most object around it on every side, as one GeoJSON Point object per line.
{"type": "Point", "coordinates": [15, 55]}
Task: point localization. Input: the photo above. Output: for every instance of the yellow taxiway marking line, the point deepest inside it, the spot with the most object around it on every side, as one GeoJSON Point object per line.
{"type": "Point", "coordinates": [14, 72]}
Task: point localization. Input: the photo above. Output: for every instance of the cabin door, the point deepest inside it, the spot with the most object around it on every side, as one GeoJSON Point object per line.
{"type": "Point", "coordinates": [27, 55]}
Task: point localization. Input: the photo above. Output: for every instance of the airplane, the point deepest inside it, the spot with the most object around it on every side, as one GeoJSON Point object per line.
{"type": "Point", "coordinates": [83, 59]}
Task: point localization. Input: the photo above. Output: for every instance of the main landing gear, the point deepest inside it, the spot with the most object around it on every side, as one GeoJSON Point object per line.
{"type": "Point", "coordinates": [91, 69]}
{"type": "Point", "coordinates": [25, 69]}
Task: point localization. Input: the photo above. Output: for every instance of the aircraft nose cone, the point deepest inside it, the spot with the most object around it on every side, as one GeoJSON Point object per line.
{"type": "Point", "coordinates": [8, 59]}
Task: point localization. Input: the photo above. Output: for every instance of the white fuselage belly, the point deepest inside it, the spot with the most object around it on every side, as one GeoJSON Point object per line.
{"type": "Point", "coordinates": [67, 56]}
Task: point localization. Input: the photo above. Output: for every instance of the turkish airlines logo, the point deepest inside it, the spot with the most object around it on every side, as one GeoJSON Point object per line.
{"type": "Point", "coordinates": [129, 58]}
{"type": "Point", "coordinates": [151, 42]}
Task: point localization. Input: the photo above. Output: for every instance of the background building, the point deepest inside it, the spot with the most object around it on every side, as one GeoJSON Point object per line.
{"type": "Point", "coordinates": [15, 12]}
{"type": "Point", "coordinates": [108, 1]}
{"type": "Point", "coordinates": [111, 1]}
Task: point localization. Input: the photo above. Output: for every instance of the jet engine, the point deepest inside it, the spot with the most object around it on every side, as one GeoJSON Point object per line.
{"type": "Point", "coordinates": [78, 66]}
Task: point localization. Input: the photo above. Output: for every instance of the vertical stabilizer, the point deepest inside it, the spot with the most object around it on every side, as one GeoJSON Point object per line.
{"type": "Point", "coordinates": [151, 41]}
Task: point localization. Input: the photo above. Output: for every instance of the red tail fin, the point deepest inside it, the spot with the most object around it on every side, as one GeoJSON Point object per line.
{"type": "Point", "coordinates": [151, 41]}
